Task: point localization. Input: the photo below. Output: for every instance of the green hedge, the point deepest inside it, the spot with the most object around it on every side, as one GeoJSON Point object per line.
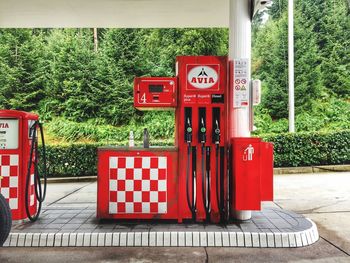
{"type": "Point", "coordinates": [314, 148]}
{"type": "Point", "coordinates": [300, 149]}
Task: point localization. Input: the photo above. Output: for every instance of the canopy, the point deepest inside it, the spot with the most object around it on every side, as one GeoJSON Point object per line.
{"type": "Point", "coordinates": [118, 13]}
{"type": "Point", "coordinates": [114, 13]}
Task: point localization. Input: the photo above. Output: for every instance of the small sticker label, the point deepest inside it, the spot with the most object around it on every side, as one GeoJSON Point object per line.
{"type": "Point", "coordinates": [240, 83]}
{"type": "Point", "coordinates": [248, 153]}
{"type": "Point", "coordinates": [217, 98]}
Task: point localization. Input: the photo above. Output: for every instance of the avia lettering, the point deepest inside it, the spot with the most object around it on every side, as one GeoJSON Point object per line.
{"type": "Point", "coordinates": [4, 125]}
{"type": "Point", "coordinates": [200, 80]}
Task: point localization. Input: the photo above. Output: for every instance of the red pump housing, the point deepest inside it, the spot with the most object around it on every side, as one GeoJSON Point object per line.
{"type": "Point", "coordinates": [15, 144]}
{"type": "Point", "coordinates": [207, 174]}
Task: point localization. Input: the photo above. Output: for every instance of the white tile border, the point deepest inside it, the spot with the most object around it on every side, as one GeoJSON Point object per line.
{"type": "Point", "coordinates": [167, 239]}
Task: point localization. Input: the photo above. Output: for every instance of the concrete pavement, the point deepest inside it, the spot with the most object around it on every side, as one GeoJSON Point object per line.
{"type": "Point", "coordinates": [324, 197]}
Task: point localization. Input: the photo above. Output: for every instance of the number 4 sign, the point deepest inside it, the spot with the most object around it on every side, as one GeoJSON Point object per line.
{"type": "Point", "coordinates": [143, 98]}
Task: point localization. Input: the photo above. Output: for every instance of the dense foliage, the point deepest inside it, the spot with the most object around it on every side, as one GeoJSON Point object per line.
{"type": "Point", "coordinates": [85, 94]}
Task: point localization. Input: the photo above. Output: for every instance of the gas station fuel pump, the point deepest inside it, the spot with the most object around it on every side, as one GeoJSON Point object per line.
{"type": "Point", "coordinates": [207, 174]}
{"type": "Point", "coordinates": [21, 167]}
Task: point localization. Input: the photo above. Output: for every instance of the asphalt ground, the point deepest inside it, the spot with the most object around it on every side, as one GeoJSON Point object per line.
{"type": "Point", "coordinates": [324, 197]}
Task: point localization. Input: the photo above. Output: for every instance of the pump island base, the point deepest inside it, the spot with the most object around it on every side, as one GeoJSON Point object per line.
{"type": "Point", "coordinates": [67, 226]}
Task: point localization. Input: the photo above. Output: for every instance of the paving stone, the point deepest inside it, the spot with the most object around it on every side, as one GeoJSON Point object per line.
{"type": "Point", "coordinates": [123, 237]}
{"type": "Point", "coordinates": [248, 240]}
{"type": "Point", "coordinates": [218, 239]}
{"type": "Point", "coordinates": [255, 240]}
{"type": "Point", "coordinates": [116, 239]}
{"type": "Point", "coordinates": [43, 239]}
{"type": "Point", "coordinates": [240, 239]}
{"type": "Point", "coordinates": [233, 239]}
{"type": "Point", "coordinates": [292, 241]}
{"type": "Point", "coordinates": [173, 236]}
{"type": "Point", "coordinates": [211, 239]}
{"type": "Point", "coordinates": [160, 239]}
{"type": "Point", "coordinates": [21, 239]}
{"type": "Point", "coordinates": [304, 239]}
{"type": "Point", "coordinates": [225, 239]}
{"type": "Point", "coordinates": [58, 239]}
{"type": "Point", "coordinates": [137, 239]}
{"type": "Point", "coordinates": [13, 240]}
{"type": "Point", "coordinates": [65, 240]}
{"type": "Point", "coordinates": [308, 237]}
{"type": "Point", "coordinates": [101, 239]}
{"type": "Point", "coordinates": [270, 240]}
{"type": "Point", "coordinates": [80, 239]}
{"type": "Point", "coordinates": [278, 239]}
{"type": "Point", "coordinates": [203, 239]}
{"type": "Point", "coordinates": [181, 236]}
{"type": "Point", "coordinates": [36, 240]}
{"type": "Point", "coordinates": [285, 240]}
{"type": "Point", "coordinates": [152, 239]}
{"type": "Point", "coordinates": [166, 239]}
{"type": "Point", "coordinates": [298, 240]}
{"type": "Point", "coordinates": [195, 238]}
{"type": "Point", "coordinates": [263, 239]}
{"type": "Point", "coordinates": [145, 239]}
{"type": "Point", "coordinates": [188, 239]}
{"type": "Point", "coordinates": [130, 239]}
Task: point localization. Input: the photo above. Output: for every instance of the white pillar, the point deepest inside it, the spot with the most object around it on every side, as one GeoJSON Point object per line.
{"type": "Point", "coordinates": [240, 47]}
{"type": "Point", "coordinates": [291, 65]}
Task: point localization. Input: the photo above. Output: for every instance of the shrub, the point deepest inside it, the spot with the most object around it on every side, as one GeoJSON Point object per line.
{"type": "Point", "coordinates": [314, 148]}
{"type": "Point", "coordinates": [300, 149]}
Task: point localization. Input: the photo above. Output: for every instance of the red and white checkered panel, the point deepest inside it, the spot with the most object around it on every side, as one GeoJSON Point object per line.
{"type": "Point", "coordinates": [138, 185]}
{"type": "Point", "coordinates": [32, 193]}
{"type": "Point", "coordinates": [9, 170]}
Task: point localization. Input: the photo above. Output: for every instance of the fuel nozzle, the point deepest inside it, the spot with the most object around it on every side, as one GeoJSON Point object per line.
{"type": "Point", "coordinates": [217, 133]}
{"type": "Point", "coordinates": [189, 131]}
{"type": "Point", "coordinates": [202, 132]}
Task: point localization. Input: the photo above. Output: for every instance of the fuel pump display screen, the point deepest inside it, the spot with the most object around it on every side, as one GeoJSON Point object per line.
{"type": "Point", "coordinates": [156, 88]}
{"type": "Point", "coordinates": [9, 134]}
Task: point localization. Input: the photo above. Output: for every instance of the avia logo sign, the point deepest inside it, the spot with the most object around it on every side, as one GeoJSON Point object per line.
{"type": "Point", "coordinates": [4, 125]}
{"type": "Point", "coordinates": [202, 77]}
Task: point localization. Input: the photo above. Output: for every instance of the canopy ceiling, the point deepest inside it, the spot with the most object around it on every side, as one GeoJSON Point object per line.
{"type": "Point", "coordinates": [114, 13]}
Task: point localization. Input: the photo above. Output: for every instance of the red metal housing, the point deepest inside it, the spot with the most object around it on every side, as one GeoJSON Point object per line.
{"type": "Point", "coordinates": [155, 93]}
{"type": "Point", "coordinates": [14, 158]}
{"type": "Point", "coordinates": [137, 183]}
{"type": "Point", "coordinates": [252, 173]}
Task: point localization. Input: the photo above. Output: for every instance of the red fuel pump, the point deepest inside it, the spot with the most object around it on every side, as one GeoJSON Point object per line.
{"type": "Point", "coordinates": [20, 165]}
{"type": "Point", "coordinates": [206, 174]}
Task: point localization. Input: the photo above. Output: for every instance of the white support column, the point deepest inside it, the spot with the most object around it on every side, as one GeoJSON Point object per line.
{"type": "Point", "coordinates": [240, 47]}
{"type": "Point", "coordinates": [291, 65]}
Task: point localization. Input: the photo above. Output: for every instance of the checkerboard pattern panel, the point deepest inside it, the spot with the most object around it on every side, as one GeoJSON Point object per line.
{"type": "Point", "coordinates": [32, 193]}
{"type": "Point", "coordinates": [138, 185]}
{"type": "Point", "coordinates": [9, 171]}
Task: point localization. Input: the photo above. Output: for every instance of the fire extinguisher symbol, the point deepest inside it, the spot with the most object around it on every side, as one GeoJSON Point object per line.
{"type": "Point", "coordinates": [248, 153]}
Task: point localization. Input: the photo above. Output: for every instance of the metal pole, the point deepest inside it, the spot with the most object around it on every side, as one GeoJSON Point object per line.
{"type": "Point", "coordinates": [240, 47]}
{"type": "Point", "coordinates": [291, 65]}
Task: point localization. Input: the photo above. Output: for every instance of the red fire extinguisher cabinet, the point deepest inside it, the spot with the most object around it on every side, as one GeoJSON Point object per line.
{"type": "Point", "coordinates": [252, 173]}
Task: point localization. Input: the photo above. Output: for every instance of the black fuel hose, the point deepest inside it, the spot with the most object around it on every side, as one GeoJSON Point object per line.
{"type": "Point", "coordinates": [217, 175]}
{"type": "Point", "coordinates": [40, 192]}
{"type": "Point", "coordinates": [204, 185]}
{"type": "Point", "coordinates": [187, 177]}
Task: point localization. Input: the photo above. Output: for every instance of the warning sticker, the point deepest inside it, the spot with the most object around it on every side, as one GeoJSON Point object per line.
{"type": "Point", "coordinates": [241, 84]}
